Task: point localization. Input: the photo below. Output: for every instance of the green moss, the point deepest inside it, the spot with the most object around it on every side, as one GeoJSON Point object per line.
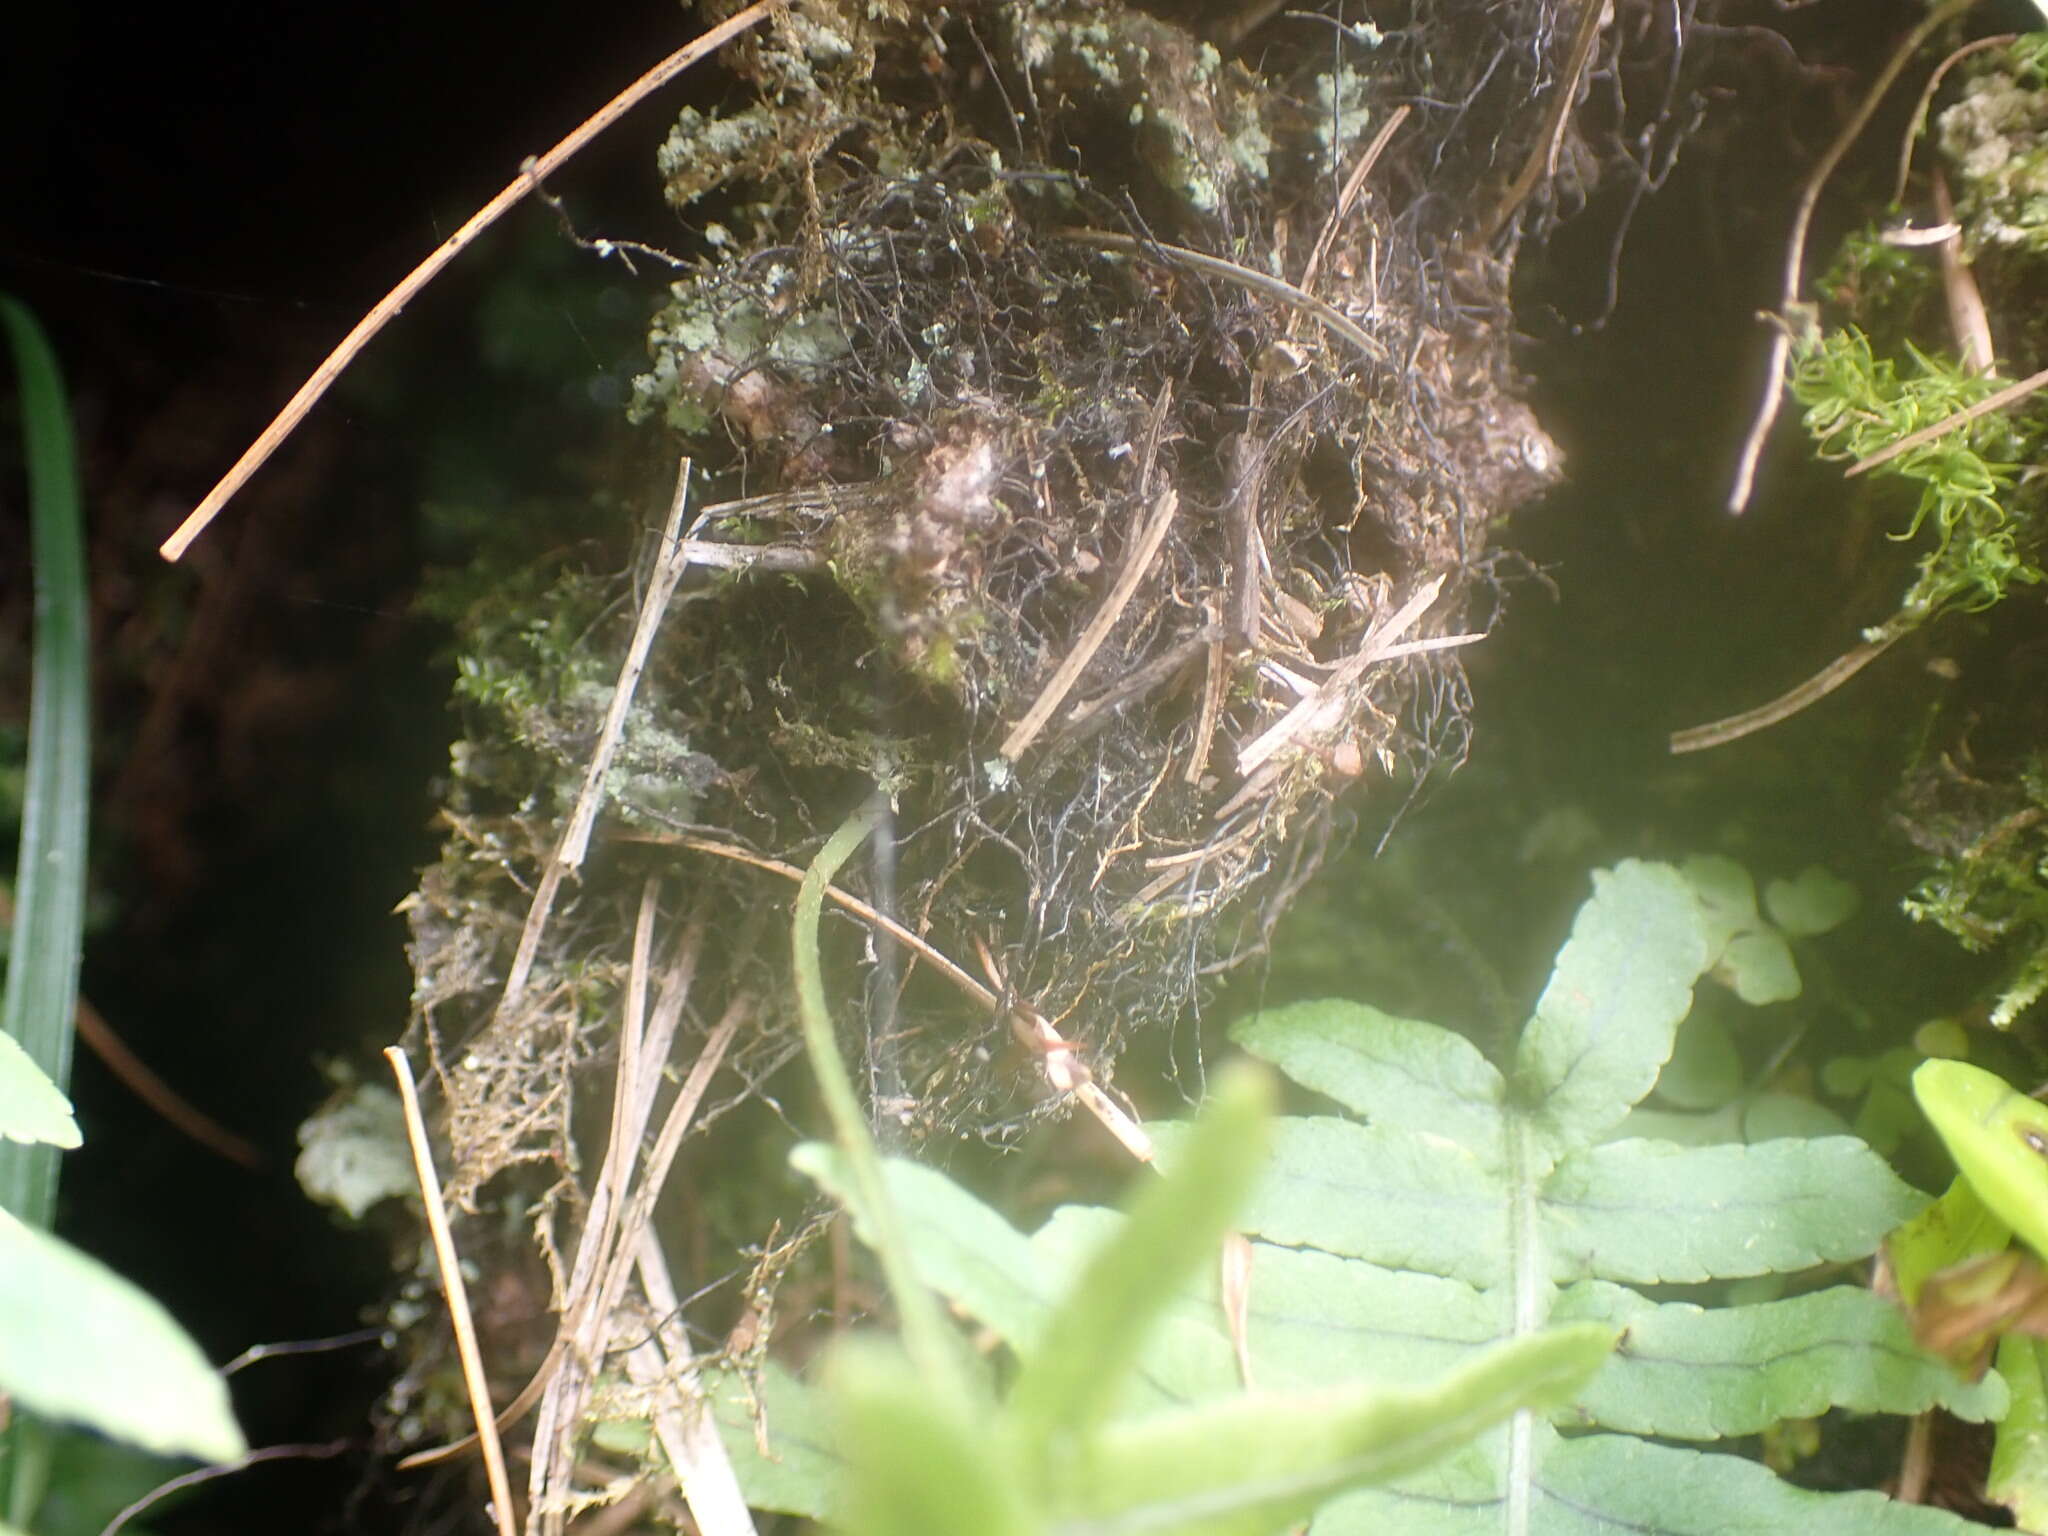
{"type": "Point", "coordinates": [526, 641]}
{"type": "Point", "coordinates": [1991, 887]}
{"type": "Point", "coordinates": [1985, 531]}
{"type": "Point", "coordinates": [1885, 287]}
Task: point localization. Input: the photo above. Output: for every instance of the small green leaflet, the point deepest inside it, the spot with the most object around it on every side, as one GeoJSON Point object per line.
{"type": "Point", "coordinates": [32, 1109]}
{"type": "Point", "coordinates": [78, 1342]}
{"type": "Point", "coordinates": [1998, 1137]}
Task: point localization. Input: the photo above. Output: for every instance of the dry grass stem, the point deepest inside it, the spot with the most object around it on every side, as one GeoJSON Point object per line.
{"type": "Point", "coordinates": [665, 1367]}
{"type": "Point", "coordinates": [1138, 562]}
{"type": "Point", "coordinates": [1353, 185]}
{"type": "Point", "coordinates": [669, 568]}
{"type": "Point", "coordinates": [1824, 682]}
{"type": "Point", "coordinates": [387, 308]}
{"type": "Point", "coordinates": [1246, 277]}
{"type": "Point", "coordinates": [1795, 247]}
{"type": "Point", "coordinates": [1329, 695]}
{"type": "Point", "coordinates": [672, 560]}
{"type": "Point", "coordinates": [446, 1261]}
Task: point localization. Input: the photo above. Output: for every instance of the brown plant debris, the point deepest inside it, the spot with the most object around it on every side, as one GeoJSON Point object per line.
{"type": "Point", "coordinates": [1100, 436]}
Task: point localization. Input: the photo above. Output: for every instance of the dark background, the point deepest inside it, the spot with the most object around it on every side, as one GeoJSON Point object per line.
{"type": "Point", "coordinates": [197, 203]}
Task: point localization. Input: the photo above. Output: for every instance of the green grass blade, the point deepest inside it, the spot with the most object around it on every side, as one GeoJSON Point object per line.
{"type": "Point", "coordinates": [49, 894]}
{"type": "Point", "coordinates": [925, 1333]}
{"type": "Point", "coordinates": [1067, 1387]}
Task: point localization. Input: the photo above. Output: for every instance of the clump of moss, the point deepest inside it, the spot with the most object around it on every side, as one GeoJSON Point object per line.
{"type": "Point", "coordinates": [1884, 368]}
{"type": "Point", "coordinates": [1984, 531]}
{"type": "Point", "coordinates": [1988, 886]}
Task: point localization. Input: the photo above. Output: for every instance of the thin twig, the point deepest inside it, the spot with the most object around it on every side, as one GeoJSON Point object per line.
{"type": "Point", "coordinates": [1245, 277]}
{"type": "Point", "coordinates": [138, 1078]}
{"type": "Point", "coordinates": [530, 176]}
{"type": "Point", "coordinates": [1969, 413]}
{"type": "Point", "coordinates": [135, 1075]}
{"type": "Point", "coordinates": [954, 973]}
{"type": "Point", "coordinates": [457, 1293]}
{"type": "Point", "coordinates": [1795, 246]}
{"type": "Point", "coordinates": [1136, 564]}
{"type": "Point", "coordinates": [1824, 682]}
{"type": "Point", "coordinates": [198, 1475]}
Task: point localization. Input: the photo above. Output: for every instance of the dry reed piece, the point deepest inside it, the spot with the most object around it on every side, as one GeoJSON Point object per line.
{"type": "Point", "coordinates": [1993, 402]}
{"type": "Point", "coordinates": [450, 1266]}
{"type": "Point", "coordinates": [643, 1047]}
{"type": "Point", "coordinates": [588, 1334]}
{"type": "Point", "coordinates": [672, 561]}
{"type": "Point", "coordinates": [1329, 693]}
{"type": "Point", "coordinates": [686, 1428]}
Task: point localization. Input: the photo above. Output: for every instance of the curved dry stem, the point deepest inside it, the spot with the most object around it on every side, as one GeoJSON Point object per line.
{"type": "Point", "coordinates": [1824, 682]}
{"type": "Point", "coordinates": [1795, 246]}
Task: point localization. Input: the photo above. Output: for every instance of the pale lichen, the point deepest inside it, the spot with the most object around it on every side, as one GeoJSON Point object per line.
{"type": "Point", "coordinates": [1996, 138]}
